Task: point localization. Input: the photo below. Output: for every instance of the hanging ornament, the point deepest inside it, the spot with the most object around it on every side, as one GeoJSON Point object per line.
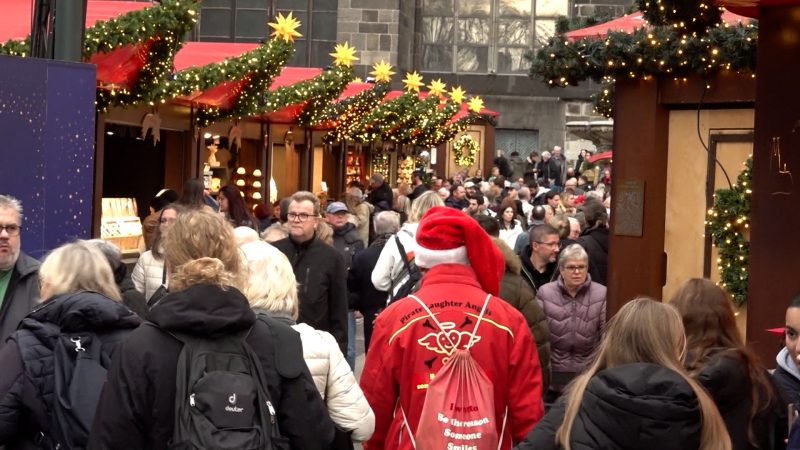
{"type": "Point", "coordinates": [344, 55]}
{"type": "Point", "coordinates": [437, 88]}
{"type": "Point", "coordinates": [152, 123]}
{"type": "Point", "coordinates": [475, 104]}
{"type": "Point", "coordinates": [235, 136]}
{"type": "Point", "coordinates": [413, 81]}
{"type": "Point", "coordinates": [457, 94]}
{"type": "Point", "coordinates": [285, 27]}
{"type": "Point", "coordinates": [382, 72]}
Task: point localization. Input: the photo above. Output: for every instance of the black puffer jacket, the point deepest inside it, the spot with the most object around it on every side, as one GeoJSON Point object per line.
{"type": "Point", "coordinates": [22, 295]}
{"type": "Point", "coordinates": [27, 374]}
{"type": "Point", "coordinates": [595, 242]}
{"type": "Point", "coordinates": [137, 408]}
{"type": "Point", "coordinates": [638, 406]}
{"type": "Point", "coordinates": [724, 376]}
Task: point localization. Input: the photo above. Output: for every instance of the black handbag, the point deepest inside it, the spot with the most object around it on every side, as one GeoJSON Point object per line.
{"type": "Point", "coordinates": [161, 292]}
{"type": "Point", "coordinates": [342, 440]}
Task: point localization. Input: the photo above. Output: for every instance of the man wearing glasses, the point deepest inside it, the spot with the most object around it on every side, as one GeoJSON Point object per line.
{"type": "Point", "coordinates": [539, 258]}
{"type": "Point", "coordinates": [19, 287]}
{"type": "Point", "coordinates": [319, 269]}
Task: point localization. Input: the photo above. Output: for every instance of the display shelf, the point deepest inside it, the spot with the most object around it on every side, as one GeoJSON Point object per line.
{"type": "Point", "coordinates": [120, 224]}
{"type": "Point", "coordinates": [354, 164]}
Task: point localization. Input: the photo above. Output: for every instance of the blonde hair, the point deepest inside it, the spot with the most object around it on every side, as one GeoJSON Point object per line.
{"type": "Point", "coordinates": [422, 204]}
{"type": "Point", "coordinates": [325, 233]}
{"type": "Point", "coordinates": [78, 266]}
{"type": "Point", "coordinates": [645, 330]}
{"type": "Point", "coordinates": [271, 283]}
{"type": "Point", "coordinates": [192, 243]}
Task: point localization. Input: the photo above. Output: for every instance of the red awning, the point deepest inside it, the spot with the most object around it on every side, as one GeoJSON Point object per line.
{"type": "Point", "coordinates": [196, 54]}
{"type": "Point", "coordinates": [630, 22]}
{"type": "Point", "coordinates": [749, 8]}
{"type": "Point", "coordinates": [608, 154]}
{"type": "Point", "coordinates": [15, 21]}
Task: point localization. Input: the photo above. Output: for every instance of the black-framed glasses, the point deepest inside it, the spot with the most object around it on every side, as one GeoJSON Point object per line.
{"type": "Point", "coordinates": [302, 217]}
{"type": "Point", "coordinates": [11, 230]}
{"type": "Point", "coordinates": [549, 244]}
{"type": "Point", "coordinates": [576, 269]}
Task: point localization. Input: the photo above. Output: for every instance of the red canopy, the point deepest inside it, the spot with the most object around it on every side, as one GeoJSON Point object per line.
{"type": "Point", "coordinates": [196, 54]}
{"type": "Point", "coordinates": [599, 156]}
{"type": "Point", "coordinates": [15, 21]}
{"type": "Point", "coordinates": [749, 8]}
{"type": "Point", "coordinates": [630, 22]}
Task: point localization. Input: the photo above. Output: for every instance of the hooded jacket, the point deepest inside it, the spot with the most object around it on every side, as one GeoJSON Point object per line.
{"type": "Point", "coordinates": [629, 407]}
{"type": "Point", "coordinates": [518, 294]}
{"type": "Point", "coordinates": [787, 376]}
{"type": "Point", "coordinates": [595, 242]}
{"type": "Point", "coordinates": [137, 407]}
{"type": "Point", "coordinates": [22, 295]}
{"type": "Point", "coordinates": [27, 382]}
{"type": "Point", "coordinates": [347, 241]}
{"type": "Point", "coordinates": [576, 324]}
{"type": "Point", "coordinates": [406, 352]}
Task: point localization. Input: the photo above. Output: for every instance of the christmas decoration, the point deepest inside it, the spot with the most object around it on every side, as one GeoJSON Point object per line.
{"type": "Point", "coordinates": [285, 28]}
{"type": "Point", "coordinates": [382, 72]}
{"type": "Point", "coordinates": [693, 16]}
{"type": "Point", "coordinates": [413, 81]}
{"type": "Point", "coordinates": [437, 88]}
{"type": "Point", "coordinates": [152, 123]}
{"type": "Point", "coordinates": [346, 115]}
{"type": "Point", "coordinates": [475, 104]}
{"type": "Point", "coordinates": [727, 223]}
{"type": "Point", "coordinates": [344, 55]}
{"type": "Point", "coordinates": [465, 150]}
{"type": "Point", "coordinates": [457, 94]}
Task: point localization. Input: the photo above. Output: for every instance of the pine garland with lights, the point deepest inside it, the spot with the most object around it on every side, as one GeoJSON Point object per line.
{"type": "Point", "coordinates": [432, 130]}
{"type": "Point", "coordinates": [162, 27]}
{"type": "Point", "coordinates": [726, 223]}
{"type": "Point", "coordinates": [693, 16]}
{"type": "Point", "coordinates": [320, 92]}
{"type": "Point", "coordinates": [604, 100]}
{"type": "Point", "coordinates": [346, 114]}
{"type": "Point", "coordinates": [465, 150]}
{"type": "Point", "coordinates": [655, 52]}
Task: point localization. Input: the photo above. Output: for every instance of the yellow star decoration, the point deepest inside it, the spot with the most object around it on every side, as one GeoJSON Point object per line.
{"type": "Point", "coordinates": [382, 72]}
{"type": "Point", "coordinates": [357, 80]}
{"type": "Point", "coordinates": [457, 94]}
{"type": "Point", "coordinates": [413, 81]}
{"type": "Point", "coordinates": [475, 104]}
{"type": "Point", "coordinates": [344, 55]}
{"type": "Point", "coordinates": [437, 88]}
{"type": "Point", "coordinates": [285, 27]}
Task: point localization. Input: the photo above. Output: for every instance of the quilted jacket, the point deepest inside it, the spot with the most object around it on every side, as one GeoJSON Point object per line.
{"type": "Point", "coordinates": [576, 324]}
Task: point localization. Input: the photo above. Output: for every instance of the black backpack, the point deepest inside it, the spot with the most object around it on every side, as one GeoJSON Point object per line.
{"type": "Point", "coordinates": [408, 280]}
{"type": "Point", "coordinates": [222, 401]}
{"type": "Point", "coordinates": [81, 360]}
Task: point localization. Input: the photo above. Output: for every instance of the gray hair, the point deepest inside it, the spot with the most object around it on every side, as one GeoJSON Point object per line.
{"type": "Point", "coordinates": [524, 193]}
{"type": "Point", "coordinates": [593, 194]}
{"type": "Point", "coordinates": [7, 201]}
{"type": "Point", "coordinates": [276, 228]}
{"type": "Point", "coordinates": [545, 154]}
{"type": "Point", "coordinates": [387, 222]}
{"type": "Point", "coordinates": [572, 252]}
{"type": "Point", "coordinates": [271, 283]}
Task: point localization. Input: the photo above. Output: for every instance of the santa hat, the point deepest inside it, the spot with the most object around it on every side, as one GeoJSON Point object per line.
{"type": "Point", "coordinates": [448, 236]}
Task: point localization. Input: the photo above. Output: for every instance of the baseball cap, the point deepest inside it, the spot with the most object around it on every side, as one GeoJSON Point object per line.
{"type": "Point", "coordinates": [336, 207]}
{"type": "Point", "coordinates": [469, 184]}
{"type": "Point", "coordinates": [514, 186]}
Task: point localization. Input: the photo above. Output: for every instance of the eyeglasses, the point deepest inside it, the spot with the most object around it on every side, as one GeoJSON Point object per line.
{"type": "Point", "coordinates": [11, 230]}
{"type": "Point", "coordinates": [575, 268]}
{"type": "Point", "coordinates": [549, 244]}
{"type": "Point", "coordinates": [302, 217]}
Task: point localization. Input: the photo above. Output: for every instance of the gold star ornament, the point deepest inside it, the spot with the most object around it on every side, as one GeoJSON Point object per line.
{"type": "Point", "coordinates": [285, 27]}
{"type": "Point", "coordinates": [382, 72]}
{"type": "Point", "coordinates": [475, 104]}
{"type": "Point", "coordinates": [413, 81]}
{"type": "Point", "coordinates": [357, 80]}
{"type": "Point", "coordinates": [437, 88]}
{"type": "Point", "coordinates": [344, 55]}
{"type": "Point", "coordinates": [457, 94]}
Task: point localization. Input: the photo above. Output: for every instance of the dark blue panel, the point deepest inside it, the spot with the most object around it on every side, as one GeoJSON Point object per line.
{"type": "Point", "coordinates": [47, 118]}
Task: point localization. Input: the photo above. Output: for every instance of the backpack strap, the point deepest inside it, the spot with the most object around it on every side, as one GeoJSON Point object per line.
{"type": "Point", "coordinates": [408, 427]}
{"type": "Point", "coordinates": [287, 344]}
{"type": "Point", "coordinates": [474, 330]}
{"type": "Point", "coordinates": [406, 265]}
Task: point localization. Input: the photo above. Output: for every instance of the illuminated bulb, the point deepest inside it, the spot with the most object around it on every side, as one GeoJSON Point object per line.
{"type": "Point", "coordinates": [257, 173]}
{"type": "Point", "coordinates": [207, 135]}
{"type": "Point", "coordinates": [241, 171]}
{"type": "Point", "coordinates": [257, 184]}
{"type": "Point", "coordinates": [256, 195]}
{"type": "Point", "coordinates": [240, 183]}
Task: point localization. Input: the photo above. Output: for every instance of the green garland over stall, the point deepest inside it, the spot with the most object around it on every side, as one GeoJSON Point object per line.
{"type": "Point", "coordinates": [727, 223]}
{"type": "Point", "coordinates": [658, 51]}
{"type": "Point", "coordinates": [346, 114]}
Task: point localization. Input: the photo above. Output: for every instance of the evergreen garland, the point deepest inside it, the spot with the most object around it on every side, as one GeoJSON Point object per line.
{"type": "Point", "coordinates": [726, 223]}
{"type": "Point", "coordinates": [693, 16]}
{"type": "Point", "coordinates": [465, 150]}
{"type": "Point", "coordinates": [345, 115]}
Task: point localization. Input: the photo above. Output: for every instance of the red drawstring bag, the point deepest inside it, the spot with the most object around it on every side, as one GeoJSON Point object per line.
{"type": "Point", "coordinates": [458, 413]}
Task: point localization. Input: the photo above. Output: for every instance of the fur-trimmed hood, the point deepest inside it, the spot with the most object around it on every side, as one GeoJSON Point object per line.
{"type": "Point", "coordinates": [513, 264]}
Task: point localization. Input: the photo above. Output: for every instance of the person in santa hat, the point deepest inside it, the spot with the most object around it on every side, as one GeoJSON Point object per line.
{"type": "Point", "coordinates": [463, 265]}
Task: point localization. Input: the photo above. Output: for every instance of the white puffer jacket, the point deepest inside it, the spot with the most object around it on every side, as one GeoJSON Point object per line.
{"type": "Point", "coordinates": [390, 263]}
{"type": "Point", "coordinates": [336, 383]}
{"type": "Point", "coordinates": [148, 274]}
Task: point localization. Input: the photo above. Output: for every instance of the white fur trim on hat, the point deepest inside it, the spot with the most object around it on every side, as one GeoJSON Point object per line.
{"type": "Point", "coordinates": [427, 258]}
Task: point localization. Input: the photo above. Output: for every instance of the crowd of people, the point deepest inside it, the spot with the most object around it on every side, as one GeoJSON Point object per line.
{"type": "Point", "coordinates": [504, 276]}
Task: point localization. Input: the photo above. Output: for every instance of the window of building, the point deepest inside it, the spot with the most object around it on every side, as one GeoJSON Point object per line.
{"type": "Point", "coordinates": [521, 141]}
{"type": "Point", "coordinates": [482, 36]}
{"type": "Point", "coordinates": [246, 21]}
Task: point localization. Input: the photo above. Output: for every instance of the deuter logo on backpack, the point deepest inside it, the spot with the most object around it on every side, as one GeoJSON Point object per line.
{"type": "Point", "coordinates": [232, 407]}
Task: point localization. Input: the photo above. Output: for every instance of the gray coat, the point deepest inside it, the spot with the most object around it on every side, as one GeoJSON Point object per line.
{"type": "Point", "coordinates": [576, 324]}
{"type": "Point", "coordinates": [21, 296]}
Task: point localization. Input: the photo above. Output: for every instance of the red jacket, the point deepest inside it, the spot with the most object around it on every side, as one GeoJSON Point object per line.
{"type": "Point", "coordinates": [401, 361]}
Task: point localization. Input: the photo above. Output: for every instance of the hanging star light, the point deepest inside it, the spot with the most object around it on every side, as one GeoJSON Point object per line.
{"type": "Point", "coordinates": [413, 81]}
{"type": "Point", "coordinates": [382, 72]}
{"type": "Point", "coordinates": [285, 27]}
{"type": "Point", "coordinates": [475, 104]}
{"type": "Point", "coordinates": [357, 80]}
{"type": "Point", "coordinates": [344, 55]}
{"type": "Point", "coordinates": [457, 94]}
{"type": "Point", "coordinates": [437, 88]}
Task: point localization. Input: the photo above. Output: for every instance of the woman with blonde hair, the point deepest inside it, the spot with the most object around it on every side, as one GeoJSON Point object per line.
{"type": "Point", "coordinates": [359, 212]}
{"type": "Point", "coordinates": [636, 395]}
{"type": "Point", "coordinates": [81, 310]}
{"type": "Point", "coordinates": [137, 409]}
{"type": "Point", "coordinates": [387, 271]}
{"type": "Point", "coordinates": [718, 358]}
{"type": "Point", "coordinates": [272, 291]}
